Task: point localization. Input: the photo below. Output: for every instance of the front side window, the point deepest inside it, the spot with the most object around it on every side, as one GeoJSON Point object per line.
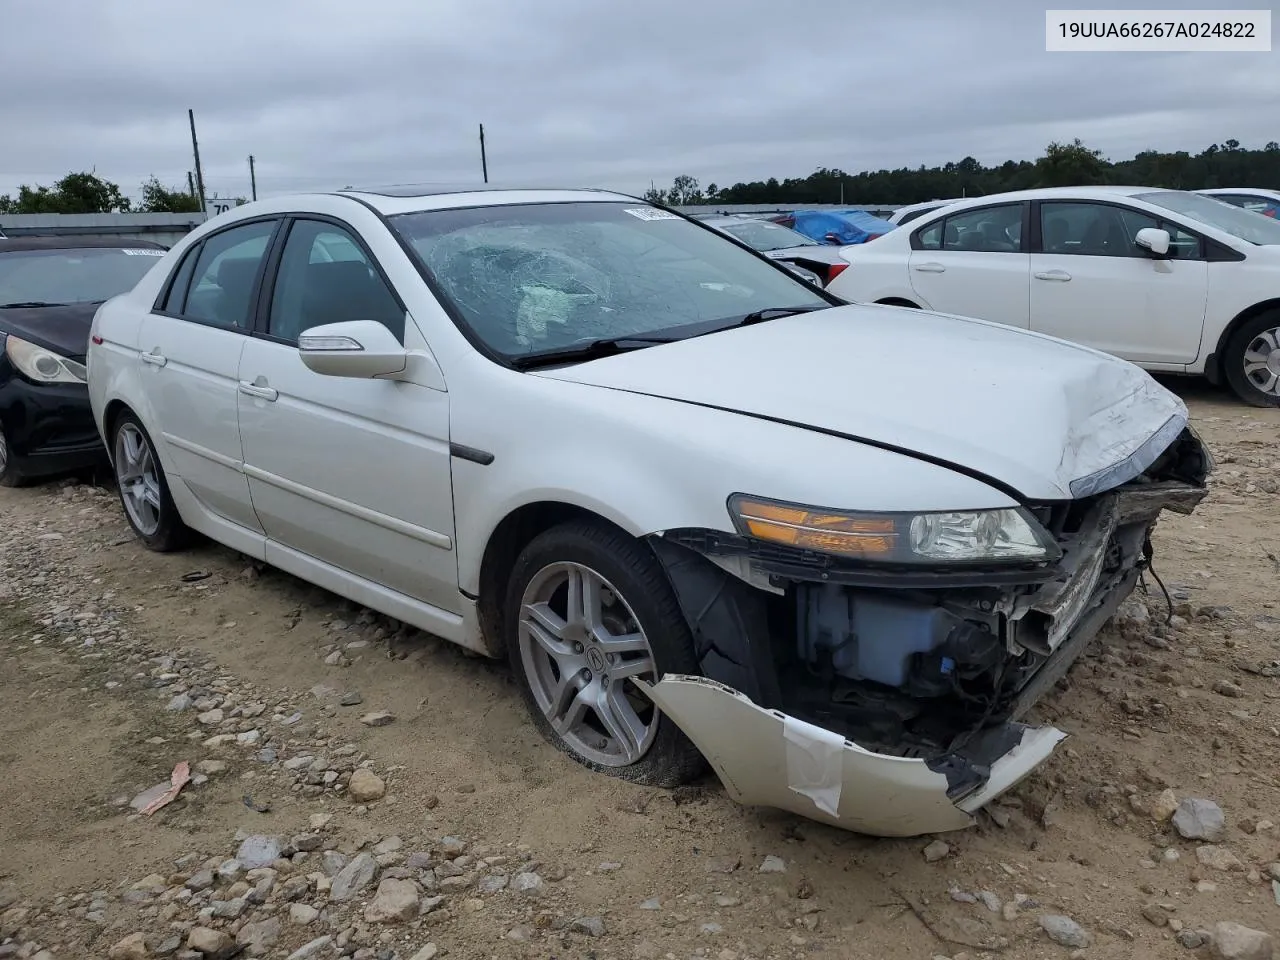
{"type": "Point", "coordinates": [1242, 224]}
{"type": "Point", "coordinates": [539, 278]}
{"type": "Point", "coordinates": [1105, 230]}
{"type": "Point", "coordinates": [225, 271]}
{"type": "Point", "coordinates": [79, 275]}
{"type": "Point", "coordinates": [326, 277]}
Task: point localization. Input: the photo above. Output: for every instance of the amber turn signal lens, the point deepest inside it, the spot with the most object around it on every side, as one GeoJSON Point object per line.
{"type": "Point", "coordinates": [812, 530]}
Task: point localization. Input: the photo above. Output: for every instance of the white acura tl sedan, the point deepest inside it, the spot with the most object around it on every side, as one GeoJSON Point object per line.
{"type": "Point", "coordinates": [1170, 280]}
{"type": "Point", "coordinates": [698, 504]}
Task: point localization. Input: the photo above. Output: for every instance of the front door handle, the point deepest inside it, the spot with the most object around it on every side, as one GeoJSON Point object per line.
{"type": "Point", "coordinates": [155, 358]}
{"type": "Point", "coordinates": [930, 267]}
{"type": "Point", "coordinates": [1059, 275]}
{"type": "Point", "coordinates": [258, 391]}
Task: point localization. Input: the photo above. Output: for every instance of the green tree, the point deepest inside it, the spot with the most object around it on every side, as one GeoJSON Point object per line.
{"type": "Point", "coordinates": [157, 198]}
{"type": "Point", "coordinates": [1071, 165]}
{"type": "Point", "coordinates": [684, 192]}
{"type": "Point", "coordinates": [74, 193]}
{"type": "Point", "coordinates": [1228, 164]}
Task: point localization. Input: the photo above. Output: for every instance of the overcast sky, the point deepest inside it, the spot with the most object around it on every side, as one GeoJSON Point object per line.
{"type": "Point", "coordinates": [607, 93]}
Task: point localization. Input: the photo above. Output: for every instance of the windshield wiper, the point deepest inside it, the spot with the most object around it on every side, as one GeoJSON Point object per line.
{"type": "Point", "coordinates": [589, 350]}
{"type": "Point", "coordinates": [771, 313]}
{"type": "Point", "coordinates": [29, 303]}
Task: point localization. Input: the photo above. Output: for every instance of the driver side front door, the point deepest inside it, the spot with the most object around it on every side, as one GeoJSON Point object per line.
{"type": "Point", "coordinates": [350, 477]}
{"type": "Point", "coordinates": [1091, 284]}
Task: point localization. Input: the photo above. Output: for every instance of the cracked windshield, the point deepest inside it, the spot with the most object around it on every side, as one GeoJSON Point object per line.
{"type": "Point", "coordinates": [535, 278]}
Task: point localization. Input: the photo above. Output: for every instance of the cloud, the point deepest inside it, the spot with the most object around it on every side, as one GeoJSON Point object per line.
{"type": "Point", "coordinates": [579, 92]}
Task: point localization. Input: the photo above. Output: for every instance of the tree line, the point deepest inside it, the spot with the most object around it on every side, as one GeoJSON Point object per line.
{"type": "Point", "coordinates": [1062, 164]}
{"type": "Point", "coordinates": [89, 193]}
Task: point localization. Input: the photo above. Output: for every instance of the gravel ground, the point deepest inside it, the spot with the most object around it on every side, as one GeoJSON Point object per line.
{"type": "Point", "coordinates": [361, 789]}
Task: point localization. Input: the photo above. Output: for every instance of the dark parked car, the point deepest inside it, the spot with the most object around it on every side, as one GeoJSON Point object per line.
{"type": "Point", "coordinates": [50, 288]}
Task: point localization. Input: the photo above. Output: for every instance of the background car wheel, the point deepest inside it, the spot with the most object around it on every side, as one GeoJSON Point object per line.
{"type": "Point", "coordinates": [589, 610]}
{"type": "Point", "coordinates": [10, 475]}
{"type": "Point", "coordinates": [144, 492]}
{"type": "Point", "coordinates": [1252, 360]}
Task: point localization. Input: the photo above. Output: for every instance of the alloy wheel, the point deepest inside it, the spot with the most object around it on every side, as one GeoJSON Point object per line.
{"type": "Point", "coordinates": [1262, 362]}
{"type": "Point", "coordinates": [138, 479]}
{"type": "Point", "coordinates": [582, 647]}
{"type": "Point", "coordinates": [4, 452]}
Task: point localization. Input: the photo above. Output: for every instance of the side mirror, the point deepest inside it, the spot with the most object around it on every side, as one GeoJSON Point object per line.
{"type": "Point", "coordinates": [1156, 242]}
{"type": "Point", "coordinates": [832, 238]}
{"type": "Point", "coordinates": [357, 348]}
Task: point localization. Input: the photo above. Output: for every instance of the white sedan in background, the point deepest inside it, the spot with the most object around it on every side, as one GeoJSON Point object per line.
{"type": "Point", "coordinates": [690, 498]}
{"type": "Point", "coordinates": [1255, 199]}
{"type": "Point", "coordinates": [1170, 280]}
{"type": "Point", "coordinates": [915, 211]}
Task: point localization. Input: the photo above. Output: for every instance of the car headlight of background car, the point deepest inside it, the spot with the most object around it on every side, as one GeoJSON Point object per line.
{"type": "Point", "coordinates": [1002, 535]}
{"type": "Point", "coordinates": [42, 365]}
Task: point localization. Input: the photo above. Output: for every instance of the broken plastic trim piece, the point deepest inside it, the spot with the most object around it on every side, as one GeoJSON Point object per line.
{"type": "Point", "coordinates": [767, 758]}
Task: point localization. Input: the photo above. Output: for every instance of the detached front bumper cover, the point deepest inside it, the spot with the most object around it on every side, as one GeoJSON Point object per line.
{"type": "Point", "coordinates": [767, 758]}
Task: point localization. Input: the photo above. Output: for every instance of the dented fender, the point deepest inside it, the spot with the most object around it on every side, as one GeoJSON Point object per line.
{"type": "Point", "coordinates": [767, 758]}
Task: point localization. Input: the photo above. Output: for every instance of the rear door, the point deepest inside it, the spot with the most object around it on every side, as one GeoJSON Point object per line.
{"type": "Point", "coordinates": [974, 263]}
{"type": "Point", "coordinates": [190, 348]}
{"type": "Point", "coordinates": [1092, 284]}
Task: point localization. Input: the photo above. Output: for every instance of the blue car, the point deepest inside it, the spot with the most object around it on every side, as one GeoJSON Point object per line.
{"type": "Point", "coordinates": [837, 227]}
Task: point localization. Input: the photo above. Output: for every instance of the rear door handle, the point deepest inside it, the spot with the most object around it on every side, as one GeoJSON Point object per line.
{"type": "Point", "coordinates": [1060, 275]}
{"type": "Point", "coordinates": [156, 359]}
{"type": "Point", "coordinates": [930, 267]}
{"type": "Point", "coordinates": [262, 393]}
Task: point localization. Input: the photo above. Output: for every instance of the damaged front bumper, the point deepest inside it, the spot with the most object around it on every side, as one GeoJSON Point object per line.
{"type": "Point", "coordinates": [888, 702]}
{"type": "Point", "coordinates": [767, 758]}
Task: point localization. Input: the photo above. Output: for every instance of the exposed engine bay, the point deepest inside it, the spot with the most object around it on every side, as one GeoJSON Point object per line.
{"type": "Point", "coordinates": [934, 665]}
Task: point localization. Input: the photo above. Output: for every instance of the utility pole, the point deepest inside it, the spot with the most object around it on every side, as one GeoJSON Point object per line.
{"type": "Point", "coordinates": [195, 148]}
{"type": "Point", "coordinates": [484, 162]}
{"type": "Point", "coordinates": [191, 184]}
{"type": "Point", "coordinates": [253, 179]}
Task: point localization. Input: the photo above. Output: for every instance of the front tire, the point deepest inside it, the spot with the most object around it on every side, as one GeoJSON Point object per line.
{"type": "Point", "coordinates": [588, 610]}
{"type": "Point", "coordinates": [1251, 360]}
{"type": "Point", "coordinates": [10, 475]}
{"type": "Point", "coordinates": [144, 491]}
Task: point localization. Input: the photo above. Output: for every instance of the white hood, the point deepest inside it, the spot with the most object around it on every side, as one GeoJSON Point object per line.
{"type": "Point", "coordinates": [1030, 411]}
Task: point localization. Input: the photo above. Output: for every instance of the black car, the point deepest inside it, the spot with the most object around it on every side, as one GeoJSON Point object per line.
{"type": "Point", "coordinates": [50, 288]}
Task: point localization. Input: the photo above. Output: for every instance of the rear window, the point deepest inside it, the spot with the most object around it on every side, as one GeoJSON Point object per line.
{"type": "Point", "coordinates": [77, 275]}
{"type": "Point", "coordinates": [765, 236]}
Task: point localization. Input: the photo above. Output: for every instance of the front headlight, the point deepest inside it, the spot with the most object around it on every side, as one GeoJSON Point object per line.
{"type": "Point", "coordinates": [41, 365]}
{"type": "Point", "coordinates": [1009, 534]}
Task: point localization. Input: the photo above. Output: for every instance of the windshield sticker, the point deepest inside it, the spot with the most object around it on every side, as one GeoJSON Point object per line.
{"type": "Point", "coordinates": [652, 213]}
{"type": "Point", "coordinates": [141, 252]}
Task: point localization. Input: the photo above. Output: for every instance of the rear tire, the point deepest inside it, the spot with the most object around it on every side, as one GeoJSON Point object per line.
{"type": "Point", "coordinates": [144, 491]}
{"type": "Point", "coordinates": [562, 663]}
{"type": "Point", "coordinates": [1251, 360]}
